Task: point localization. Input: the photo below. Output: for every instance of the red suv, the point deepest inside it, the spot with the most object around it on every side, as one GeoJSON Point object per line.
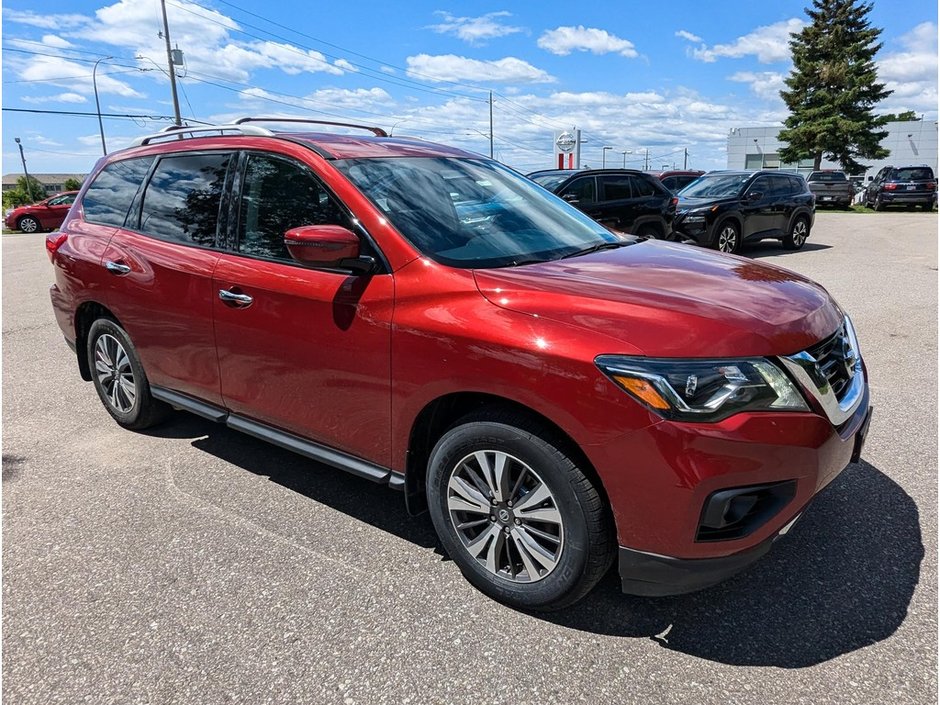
{"type": "Point", "coordinates": [558, 396]}
{"type": "Point", "coordinates": [48, 214]}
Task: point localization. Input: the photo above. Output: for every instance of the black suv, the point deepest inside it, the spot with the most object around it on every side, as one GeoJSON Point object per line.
{"type": "Point", "coordinates": [725, 208]}
{"type": "Point", "coordinates": [903, 185]}
{"type": "Point", "coordinates": [621, 199]}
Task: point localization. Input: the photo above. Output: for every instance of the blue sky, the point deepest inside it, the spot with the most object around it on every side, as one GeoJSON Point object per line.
{"type": "Point", "coordinates": [633, 75]}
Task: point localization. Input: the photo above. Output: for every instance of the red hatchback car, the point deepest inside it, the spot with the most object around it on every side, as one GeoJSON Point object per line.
{"type": "Point", "coordinates": [558, 396]}
{"type": "Point", "coordinates": [48, 214]}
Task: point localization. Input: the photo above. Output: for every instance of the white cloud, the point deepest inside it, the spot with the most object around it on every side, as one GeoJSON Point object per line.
{"type": "Point", "coordinates": [912, 72]}
{"type": "Point", "coordinates": [448, 67]}
{"type": "Point", "coordinates": [387, 69]}
{"type": "Point", "coordinates": [563, 40]}
{"type": "Point", "coordinates": [44, 21]}
{"type": "Point", "coordinates": [67, 97]}
{"type": "Point", "coordinates": [769, 44]}
{"type": "Point", "coordinates": [764, 84]}
{"type": "Point", "coordinates": [58, 71]}
{"type": "Point", "coordinates": [688, 36]}
{"type": "Point", "coordinates": [474, 30]}
{"type": "Point", "coordinates": [54, 40]}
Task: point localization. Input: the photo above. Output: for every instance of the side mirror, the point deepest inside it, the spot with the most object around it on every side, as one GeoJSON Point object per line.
{"type": "Point", "coordinates": [755, 196]}
{"type": "Point", "coordinates": [329, 246]}
{"type": "Point", "coordinates": [871, 178]}
{"type": "Point", "coordinates": [571, 198]}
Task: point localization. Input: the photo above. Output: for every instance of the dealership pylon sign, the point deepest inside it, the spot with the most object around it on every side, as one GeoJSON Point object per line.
{"type": "Point", "coordinates": [568, 148]}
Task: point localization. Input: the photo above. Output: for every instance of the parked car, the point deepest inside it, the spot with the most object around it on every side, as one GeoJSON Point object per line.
{"type": "Point", "coordinates": [623, 199]}
{"type": "Point", "coordinates": [47, 214]}
{"type": "Point", "coordinates": [831, 188]}
{"type": "Point", "coordinates": [558, 396]}
{"type": "Point", "coordinates": [675, 181]}
{"type": "Point", "coordinates": [905, 185]}
{"type": "Point", "coordinates": [723, 209]}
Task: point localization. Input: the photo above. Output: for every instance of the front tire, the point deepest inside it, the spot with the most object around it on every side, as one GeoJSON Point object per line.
{"type": "Point", "coordinates": [517, 515]}
{"type": "Point", "coordinates": [28, 224]}
{"type": "Point", "coordinates": [798, 234]}
{"type": "Point", "coordinates": [727, 237]}
{"type": "Point", "coordinates": [119, 377]}
{"type": "Point", "coordinates": [878, 204]}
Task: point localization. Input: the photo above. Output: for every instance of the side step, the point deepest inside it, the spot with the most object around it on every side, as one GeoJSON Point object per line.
{"type": "Point", "coordinates": [288, 441]}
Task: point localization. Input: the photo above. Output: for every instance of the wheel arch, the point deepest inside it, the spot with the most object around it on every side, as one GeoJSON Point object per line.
{"type": "Point", "coordinates": [87, 313]}
{"type": "Point", "coordinates": [441, 413]}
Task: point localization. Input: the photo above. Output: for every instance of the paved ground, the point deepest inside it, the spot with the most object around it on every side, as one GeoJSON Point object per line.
{"type": "Point", "coordinates": [196, 565]}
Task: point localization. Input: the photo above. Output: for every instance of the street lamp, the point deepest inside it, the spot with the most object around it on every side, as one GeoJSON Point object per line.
{"type": "Point", "coordinates": [757, 144]}
{"type": "Point", "coordinates": [625, 153]}
{"type": "Point", "coordinates": [604, 156]}
{"type": "Point", "coordinates": [29, 188]}
{"type": "Point", "coordinates": [94, 82]}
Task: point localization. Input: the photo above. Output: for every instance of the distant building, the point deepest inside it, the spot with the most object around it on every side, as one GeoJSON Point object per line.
{"type": "Point", "coordinates": [913, 142]}
{"type": "Point", "coordinates": [52, 182]}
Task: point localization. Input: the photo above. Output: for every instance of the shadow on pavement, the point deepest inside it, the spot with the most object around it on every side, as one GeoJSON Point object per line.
{"type": "Point", "coordinates": [773, 248]}
{"type": "Point", "coordinates": [842, 579]}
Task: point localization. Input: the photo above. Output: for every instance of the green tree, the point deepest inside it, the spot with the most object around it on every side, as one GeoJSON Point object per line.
{"type": "Point", "coordinates": [20, 195]}
{"type": "Point", "coordinates": [72, 184]}
{"type": "Point", "coordinates": [833, 88]}
{"type": "Point", "coordinates": [906, 116]}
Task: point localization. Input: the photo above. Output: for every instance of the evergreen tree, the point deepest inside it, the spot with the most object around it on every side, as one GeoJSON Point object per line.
{"type": "Point", "coordinates": [833, 88]}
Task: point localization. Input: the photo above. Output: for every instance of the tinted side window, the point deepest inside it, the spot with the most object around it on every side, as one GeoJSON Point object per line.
{"type": "Point", "coordinates": [277, 195]}
{"type": "Point", "coordinates": [672, 183]}
{"type": "Point", "coordinates": [780, 186]}
{"type": "Point", "coordinates": [582, 189]}
{"type": "Point", "coordinates": [62, 200]}
{"type": "Point", "coordinates": [797, 185]}
{"type": "Point", "coordinates": [642, 187]}
{"type": "Point", "coordinates": [109, 196]}
{"type": "Point", "coordinates": [615, 188]}
{"type": "Point", "coordinates": [761, 185]}
{"type": "Point", "coordinates": [182, 198]}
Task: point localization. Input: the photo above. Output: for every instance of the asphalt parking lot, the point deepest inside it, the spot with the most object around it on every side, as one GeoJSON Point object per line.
{"type": "Point", "coordinates": [192, 564]}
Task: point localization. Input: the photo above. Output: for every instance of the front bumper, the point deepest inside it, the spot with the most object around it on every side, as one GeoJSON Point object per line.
{"type": "Point", "coordinates": [652, 574]}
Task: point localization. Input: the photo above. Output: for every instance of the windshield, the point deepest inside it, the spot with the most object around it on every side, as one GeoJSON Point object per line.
{"type": "Point", "coordinates": [473, 213]}
{"type": "Point", "coordinates": [550, 181]}
{"type": "Point", "coordinates": [827, 176]}
{"type": "Point", "coordinates": [715, 186]}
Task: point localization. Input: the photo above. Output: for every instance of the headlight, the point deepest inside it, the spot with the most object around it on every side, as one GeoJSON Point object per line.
{"type": "Point", "coordinates": [703, 390]}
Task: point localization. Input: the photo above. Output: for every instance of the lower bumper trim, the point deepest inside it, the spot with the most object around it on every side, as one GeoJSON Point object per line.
{"type": "Point", "coordinates": [653, 575]}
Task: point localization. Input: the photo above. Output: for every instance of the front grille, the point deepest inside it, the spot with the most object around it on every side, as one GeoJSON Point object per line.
{"type": "Point", "coordinates": [832, 356]}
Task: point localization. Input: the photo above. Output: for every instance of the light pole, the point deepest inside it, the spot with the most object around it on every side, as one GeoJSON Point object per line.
{"type": "Point", "coordinates": [757, 144]}
{"type": "Point", "coordinates": [625, 153]}
{"type": "Point", "coordinates": [94, 82]}
{"type": "Point", "coordinates": [604, 156]}
{"type": "Point", "coordinates": [29, 187]}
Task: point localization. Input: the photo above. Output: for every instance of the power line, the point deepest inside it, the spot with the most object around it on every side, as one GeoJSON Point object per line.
{"type": "Point", "coordinates": [79, 113]}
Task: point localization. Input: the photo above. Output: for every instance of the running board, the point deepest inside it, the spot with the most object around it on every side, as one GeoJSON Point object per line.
{"type": "Point", "coordinates": [288, 441]}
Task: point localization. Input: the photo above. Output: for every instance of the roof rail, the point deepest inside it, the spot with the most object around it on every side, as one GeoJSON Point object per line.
{"type": "Point", "coordinates": [377, 131]}
{"type": "Point", "coordinates": [175, 130]}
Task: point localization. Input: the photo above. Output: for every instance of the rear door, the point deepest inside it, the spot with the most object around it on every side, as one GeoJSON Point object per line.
{"type": "Point", "coordinates": [160, 265]}
{"type": "Point", "coordinates": [308, 351]}
{"type": "Point", "coordinates": [757, 207]}
{"type": "Point", "coordinates": [783, 203]}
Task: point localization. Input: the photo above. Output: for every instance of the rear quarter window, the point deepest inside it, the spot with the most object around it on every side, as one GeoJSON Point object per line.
{"type": "Point", "coordinates": [110, 195]}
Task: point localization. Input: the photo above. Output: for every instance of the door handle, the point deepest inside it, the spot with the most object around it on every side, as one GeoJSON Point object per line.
{"type": "Point", "coordinates": [117, 267]}
{"type": "Point", "coordinates": [239, 300]}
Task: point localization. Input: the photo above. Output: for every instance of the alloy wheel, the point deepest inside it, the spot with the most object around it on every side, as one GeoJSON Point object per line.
{"type": "Point", "coordinates": [115, 374]}
{"type": "Point", "coordinates": [799, 233]}
{"type": "Point", "coordinates": [505, 515]}
{"type": "Point", "coordinates": [28, 225]}
{"type": "Point", "coordinates": [727, 239]}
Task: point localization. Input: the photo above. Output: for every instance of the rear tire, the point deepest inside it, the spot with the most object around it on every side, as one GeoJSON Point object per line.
{"type": "Point", "coordinates": [119, 377]}
{"type": "Point", "coordinates": [517, 515]}
{"type": "Point", "coordinates": [878, 205]}
{"type": "Point", "coordinates": [650, 231]}
{"type": "Point", "coordinates": [798, 234]}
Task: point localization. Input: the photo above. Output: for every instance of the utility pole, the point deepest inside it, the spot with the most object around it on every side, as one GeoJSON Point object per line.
{"type": "Point", "coordinates": [491, 124]}
{"type": "Point", "coordinates": [646, 163]}
{"type": "Point", "coordinates": [685, 159]}
{"type": "Point", "coordinates": [29, 187]}
{"type": "Point", "coordinates": [169, 60]}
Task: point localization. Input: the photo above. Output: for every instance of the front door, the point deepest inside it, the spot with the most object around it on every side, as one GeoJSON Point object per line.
{"type": "Point", "coordinates": [301, 349]}
{"type": "Point", "coordinates": [55, 210]}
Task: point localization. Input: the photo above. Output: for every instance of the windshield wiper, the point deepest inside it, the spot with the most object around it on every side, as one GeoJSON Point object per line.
{"type": "Point", "coordinates": [598, 247]}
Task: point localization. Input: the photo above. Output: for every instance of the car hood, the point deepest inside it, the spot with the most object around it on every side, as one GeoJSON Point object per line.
{"type": "Point", "coordinates": [672, 300]}
{"type": "Point", "coordinates": [689, 203]}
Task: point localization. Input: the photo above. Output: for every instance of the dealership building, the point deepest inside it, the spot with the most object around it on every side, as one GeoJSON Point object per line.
{"type": "Point", "coordinates": [909, 143]}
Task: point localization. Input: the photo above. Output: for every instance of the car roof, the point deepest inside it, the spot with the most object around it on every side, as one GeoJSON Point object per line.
{"type": "Point", "coordinates": [340, 146]}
